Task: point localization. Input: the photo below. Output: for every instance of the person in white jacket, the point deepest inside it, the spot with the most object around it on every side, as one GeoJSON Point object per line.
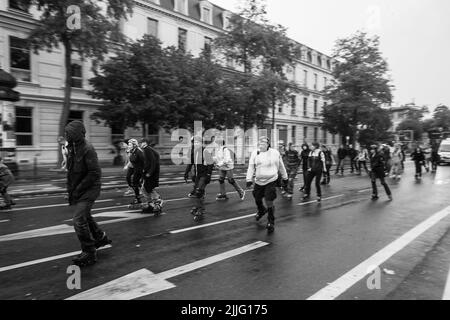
{"type": "Point", "coordinates": [264, 166]}
{"type": "Point", "coordinates": [225, 164]}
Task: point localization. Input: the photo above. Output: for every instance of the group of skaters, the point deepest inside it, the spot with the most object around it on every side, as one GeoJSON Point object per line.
{"type": "Point", "coordinates": [268, 169]}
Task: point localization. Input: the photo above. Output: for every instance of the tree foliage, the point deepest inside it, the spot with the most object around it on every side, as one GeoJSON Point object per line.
{"type": "Point", "coordinates": [359, 89]}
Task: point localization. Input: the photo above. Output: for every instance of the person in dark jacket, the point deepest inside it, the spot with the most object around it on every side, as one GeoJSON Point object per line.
{"type": "Point", "coordinates": [292, 163]}
{"type": "Point", "coordinates": [328, 164]}
{"type": "Point", "coordinates": [150, 172]}
{"type": "Point", "coordinates": [378, 171]}
{"type": "Point", "coordinates": [352, 153]}
{"type": "Point", "coordinates": [341, 154]}
{"type": "Point", "coordinates": [83, 188]}
{"type": "Point", "coordinates": [137, 161]}
{"type": "Point", "coordinates": [304, 155]}
{"type": "Point", "coordinates": [419, 159]}
{"type": "Point", "coordinates": [435, 158]}
{"type": "Point", "coordinates": [316, 167]}
{"type": "Point", "coordinates": [203, 165]}
{"type": "Point", "coordinates": [6, 179]}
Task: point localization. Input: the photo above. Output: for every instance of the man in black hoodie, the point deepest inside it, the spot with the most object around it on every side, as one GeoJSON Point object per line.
{"type": "Point", "coordinates": [151, 170]}
{"type": "Point", "coordinates": [378, 171]}
{"type": "Point", "coordinates": [304, 155]}
{"type": "Point", "coordinates": [341, 154]}
{"type": "Point", "coordinates": [83, 187]}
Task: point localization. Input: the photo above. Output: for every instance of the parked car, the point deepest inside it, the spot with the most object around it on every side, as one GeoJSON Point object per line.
{"type": "Point", "coordinates": [444, 151]}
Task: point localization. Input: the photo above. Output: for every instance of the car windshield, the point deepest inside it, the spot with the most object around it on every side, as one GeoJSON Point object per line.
{"type": "Point", "coordinates": [445, 148]}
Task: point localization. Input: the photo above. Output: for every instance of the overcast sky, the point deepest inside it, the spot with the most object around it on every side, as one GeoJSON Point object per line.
{"type": "Point", "coordinates": [414, 37]}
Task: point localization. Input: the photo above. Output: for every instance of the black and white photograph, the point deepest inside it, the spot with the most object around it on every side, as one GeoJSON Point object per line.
{"type": "Point", "coordinates": [225, 155]}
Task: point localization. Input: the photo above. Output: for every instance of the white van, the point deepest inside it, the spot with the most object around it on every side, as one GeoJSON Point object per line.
{"type": "Point", "coordinates": [444, 151]}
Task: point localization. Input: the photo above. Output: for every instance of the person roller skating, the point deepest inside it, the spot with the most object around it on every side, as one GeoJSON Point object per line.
{"type": "Point", "coordinates": [225, 164]}
{"type": "Point", "coordinates": [137, 161]}
{"type": "Point", "coordinates": [378, 171]}
{"type": "Point", "coordinates": [292, 163]}
{"type": "Point", "coordinates": [6, 179]}
{"type": "Point", "coordinates": [316, 167]}
{"type": "Point", "coordinates": [435, 158]}
{"type": "Point", "coordinates": [151, 200]}
{"type": "Point", "coordinates": [419, 158]}
{"type": "Point", "coordinates": [396, 159]}
{"type": "Point", "coordinates": [304, 154]}
{"type": "Point", "coordinates": [203, 165]}
{"type": "Point", "coordinates": [264, 167]}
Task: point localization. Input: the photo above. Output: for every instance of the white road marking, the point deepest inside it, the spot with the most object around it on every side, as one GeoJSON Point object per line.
{"type": "Point", "coordinates": [30, 263]}
{"type": "Point", "coordinates": [315, 201]}
{"type": "Point", "coordinates": [365, 190]}
{"type": "Point", "coordinates": [144, 282]}
{"type": "Point", "coordinates": [3, 221]}
{"type": "Point", "coordinates": [346, 281]}
{"type": "Point", "coordinates": [446, 295]}
{"type": "Point", "coordinates": [212, 224]}
{"type": "Point", "coordinates": [65, 228]}
{"type": "Point", "coordinates": [52, 206]}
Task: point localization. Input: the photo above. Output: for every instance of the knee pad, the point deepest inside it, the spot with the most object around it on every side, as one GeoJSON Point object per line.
{"type": "Point", "coordinates": [222, 180]}
{"type": "Point", "coordinates": [231, 181]}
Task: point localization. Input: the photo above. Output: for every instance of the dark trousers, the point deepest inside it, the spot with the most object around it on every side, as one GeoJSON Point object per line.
{"type": "Point", "coordinates": [292, 173]}
{"type": "Point", "coordinates": [136, 180]}
{"type": "Point", "coordinates": [379, 175]}
{"type": "Point", "coordinates": [326, 175]}
{"type": "Point", "coordinates": [353, 165]}
{"type": "Point", "coordinates": [364, 164]}
{"type": "Point", "coordinates": [418, 165]}
{"type": "Point", "coordinates": [199, 193]}
{"type": "Point", "coordinates": [340, 165]}
{"type": "Point", "coordinates": [130, 172]}
{"type": "Point", "coordinates": [305, 175]}
{"type": "Point", "coordinates": [311, 176]}
{"type": "Point", "coordinates": [6, 196]}
{"type": "Point", "coordinates": [86, 228]}
{"type": "Point", "coordinates": [434, 164]}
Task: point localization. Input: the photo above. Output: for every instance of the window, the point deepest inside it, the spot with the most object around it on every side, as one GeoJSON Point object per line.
{"type": "Point", "coordinates": [18, 5]}
{"type": "Point", "coordinates": [207, 47]}
{"type": "Point", "coordinates": [325, 82]}
{"type": "Point", "coordinates": [117, 133]}
{"type": "Point", "coordinates": [20, 59]}
{"type": "Point", "coordinates": [226, 20]}
{"type": "Point", "coordinates": [324, 136]}
{"type": "Point", "coordinates": [182, 37]}
{"type": "Point", "coordinates": [24, 126]}
{"type": "Point", "coordinates": [305, 132]}
{"type": "Point", "coordinates": [293, 104]}
{"type": "Point", "coordinates": [305, 78]}
{"type": "Point", "coordinates": [206, 15]}
{"type": "Point", "coordinates": [75, 115]}
{"type": "Point", "coordinates": [230, 62]}
{"type": "Point", "coordinates": [309, 56]}
{"type": "Point", "coordinates": [293, 134]}
{"type": "Point", "coordinates": [328, 64]}
{"type": "Point", "coordinates": [152, 27]}
{"type": "Point", "coordinates": [77, 75]}
{"type": "Point", "coordinates": [315, 109]}
{"type": "Point", "coordinates": [316, 134]}
{"type": "Point", "coordinates": [319, 61]}
{"type": "Point", "coordinates": [305, 107]}
{"type": "Point", "coordinates": [315, 81]}
{"type": "Point", "coordinates": [280, 108]}
{"type": "Point", "coordinates": [181, 6]}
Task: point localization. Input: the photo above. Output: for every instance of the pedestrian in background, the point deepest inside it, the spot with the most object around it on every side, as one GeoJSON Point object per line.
{"type": "Point", "coordinates": [6, 179]}
{"type": "Point", "coordinates": [378, 170]}
{"type": "Point", "coordinates": [352, 153]}
{"type": "Point", "coordinates": [292, 163]}
{"type": "Point", "coordinates": [136, 162]}
{"type": "Point", "coordinates": [63, 144]}
{"type": "Point", "coordinates": [419, 159]}
{"type": "Point", "coordinates": [396, 159]}
{"type": "Point", "coordinates": [328, 164]}
{"type": "Point", "coordinates": [128, 168]}
{"type": "Point", "coordinates": [83, 187]}
{"type": "Point", "coordinates": [341, 154]}
{"type": "Point", "coordinates": [435, 157]}
{"type": "Point", "coordinates": [316, 167]}
{"type": "Point", "coordinates": [304, 154]}
{"type": "Point", "coordinates": [362, 158]}
{"type": "Point", "coordinates": [152, 202]}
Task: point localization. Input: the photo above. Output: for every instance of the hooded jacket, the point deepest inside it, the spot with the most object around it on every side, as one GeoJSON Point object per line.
{"type": "Point", "coordinates": [83, 170]}
{"type": "Point", "coordinates": [151, 166]}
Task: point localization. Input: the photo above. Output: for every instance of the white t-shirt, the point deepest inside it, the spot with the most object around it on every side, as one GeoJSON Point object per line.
{"type": "Point", "coordinates": [265, 166]}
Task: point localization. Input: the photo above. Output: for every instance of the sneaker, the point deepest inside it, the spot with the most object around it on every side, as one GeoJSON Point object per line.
{"type": "Point", "coordinates": [323, 183]}
{"type": "Point", "coordinates": [191, 195]}
{"type": "Point", "coordinates": [259, 215]}
{"type": "Point", "coordinates": [241, 194]}
{"type": "Point", "coordinates": [390, 197]}
{"type": "Point", "coordinates": [103, 241]}
{"type": "Point", "coordinates": [221, 197]}
{"type": "Point", "coordinates": [289, 195]}
{"type": "Point", "coordinates": [270, 226]}
{"type": "Point", "coordinates": [301, 189]}
{"type": "Point", "coordinates": [85, 259]}
{"type": "Point", "coordinates": [374, 197]}
{"type": "Point", "coordinates": [306, 197]}
{"type": "Point", "coordinates": [319, 199]}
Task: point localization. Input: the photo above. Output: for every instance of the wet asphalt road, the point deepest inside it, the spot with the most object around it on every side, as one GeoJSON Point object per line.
{"type": "Point", "coordinates": [313, 246]}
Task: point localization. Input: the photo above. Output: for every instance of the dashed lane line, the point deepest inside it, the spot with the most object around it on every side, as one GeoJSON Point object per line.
{"type": "Point", "coordinates": [52, 206]}
{"type": "Point", "coordinates": [33, 262]}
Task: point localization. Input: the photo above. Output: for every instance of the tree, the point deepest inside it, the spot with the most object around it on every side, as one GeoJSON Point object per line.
{"type": "Point", "coordinates": [441, 117]}
{"type": "Point", "coordinates": [359, 89]}
{"type": "Point", "coordinates": [86, 30]}
{"type": "Point", "coordinates": [264, 50]}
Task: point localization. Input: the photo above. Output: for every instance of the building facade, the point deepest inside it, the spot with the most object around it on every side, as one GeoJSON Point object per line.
{"type": "Point", "coordinates": [187, 24]}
